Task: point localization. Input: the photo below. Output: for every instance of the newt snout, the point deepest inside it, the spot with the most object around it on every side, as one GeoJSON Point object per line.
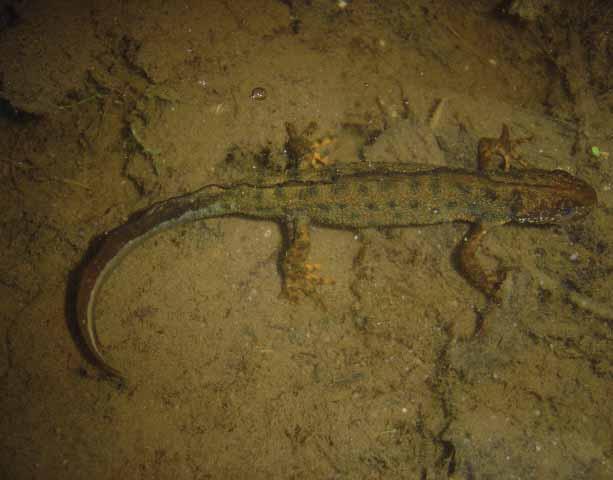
{"type": "Point", "coordinates": [561, 198]}
{"type": "Point", "coordinates": [582, 198]}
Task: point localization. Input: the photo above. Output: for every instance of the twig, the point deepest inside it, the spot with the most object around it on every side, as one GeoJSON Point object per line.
{"type": "Point", "coordinates": [597, 308]}
{"type": "Point", "coordinates": [70, 182]}
{"type": "Point", "coordinates": [436, 112]}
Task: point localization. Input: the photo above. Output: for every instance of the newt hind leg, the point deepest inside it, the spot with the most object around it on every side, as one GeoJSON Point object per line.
{"type": "Point", "coordinates": [300, 277]}
{"type": "Point", "coordinates": [487, 282]}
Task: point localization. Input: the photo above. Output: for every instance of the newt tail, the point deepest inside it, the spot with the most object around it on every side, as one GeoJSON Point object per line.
{"type": "Point", "coordinates": [117, 243]}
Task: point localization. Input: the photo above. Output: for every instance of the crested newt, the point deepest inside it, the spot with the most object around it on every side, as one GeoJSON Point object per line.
{"type": "Point", "coordinates": [355, 196]}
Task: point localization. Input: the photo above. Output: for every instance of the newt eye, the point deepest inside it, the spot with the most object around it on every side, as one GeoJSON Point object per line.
{"type": "Point", "coordinates": [566, 208]}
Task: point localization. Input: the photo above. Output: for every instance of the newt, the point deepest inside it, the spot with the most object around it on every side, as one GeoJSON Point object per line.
{"type": "Point", "coordinates": [355, 197]}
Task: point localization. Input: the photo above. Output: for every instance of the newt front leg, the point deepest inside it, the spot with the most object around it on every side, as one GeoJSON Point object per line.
{"type": "Point", "coordinates": [491, 150]}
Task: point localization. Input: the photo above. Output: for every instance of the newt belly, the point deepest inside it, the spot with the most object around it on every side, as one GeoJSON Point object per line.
{"type": "Point", "coordinates": [352, 197]}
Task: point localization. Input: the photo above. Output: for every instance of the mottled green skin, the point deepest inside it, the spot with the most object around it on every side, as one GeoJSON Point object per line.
{"type": "Point", "coordinates": [423, 197]}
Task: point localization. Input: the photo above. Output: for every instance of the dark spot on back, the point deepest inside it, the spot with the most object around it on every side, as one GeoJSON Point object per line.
{"type": "Point", "coordinates": [279, 192]}
{"type": "Point", "coordinates": [362, 188]}
{"type": "Point", "coordinates": [392, 204]}
{"type": "Point", "coordinates": [413, 204]}
{"type": "Point", "coordinates": [308, 192]}
{"type": "Point", "coordinates": [489, 193]}
{"type": "Point", "coordinates": [312, 190]}
{"type": "Point", "coordinates": [371, 206]}
{"type": "Point", "coordinates": [462, 188]}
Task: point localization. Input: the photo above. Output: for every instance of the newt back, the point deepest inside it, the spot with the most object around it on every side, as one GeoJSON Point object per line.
{"type": "Point", "coordinates": [422, 198]}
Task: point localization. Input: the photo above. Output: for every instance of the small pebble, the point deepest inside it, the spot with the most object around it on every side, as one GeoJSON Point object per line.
{"type": "Point", "coordinates": [258, 93]}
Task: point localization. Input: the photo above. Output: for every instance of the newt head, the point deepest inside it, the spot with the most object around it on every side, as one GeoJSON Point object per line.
{"type": "Point", "coordinates": [553, 197]}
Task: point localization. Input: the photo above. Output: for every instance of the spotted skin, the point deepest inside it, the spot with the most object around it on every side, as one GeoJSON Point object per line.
{"type": "Point", "coordinates": [355, 196]}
